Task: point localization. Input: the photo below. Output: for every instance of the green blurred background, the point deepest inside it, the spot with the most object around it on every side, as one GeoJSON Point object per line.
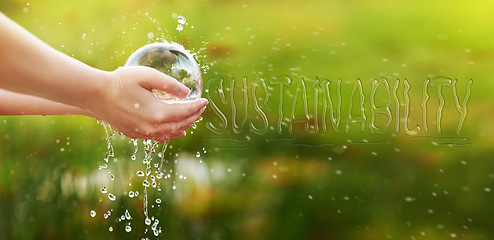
{"type": "Point", "coordinates": [229, 181]}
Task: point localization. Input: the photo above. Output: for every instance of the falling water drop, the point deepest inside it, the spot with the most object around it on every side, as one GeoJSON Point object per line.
{"type": "Point", "coordinates": [147, 221]}
{"type": "Point", "coordinates": [111, 197]}
{"type": "Point", "coordinates": [181, 19]}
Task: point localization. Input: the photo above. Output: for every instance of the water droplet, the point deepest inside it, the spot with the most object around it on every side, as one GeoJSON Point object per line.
{"type": "Point", "coordinates": [128, 228]}
{"type": "Point", "coordinates": [131, 194]}
{"type": "Point", "coordinates": [147, 221]}
{"type": "Point", "coordinates": [104, 190]}
{"type": "Point", "coordinates": [150, 35]}
{"type": "Point", "coordinates": [145, 183]}
{"type": "Point", "coordinates": [110, 229]}
{"type": "Point", "coordinates": [137, 105]}
{"type": "Point", "coordinates": [112, 177]}
{"type": "Point", "coordinates": [198, 154]}
{"type": "Point", "coordinates": [158, 200]}
{"type": "Point", "coordinates": [111, 197]}
{"type": "Point", "coordinates": [174, 187]}
{"type": "Point", "coordinates": [180, 28]}
{"type": "Point", "coordinates": [140, 173]}
{"type": "Point", "coordinates": [127, 214]}
{"type": "Point", "coordinates": [155, 224]}
{"type": "Point", "coordinates": [181, 19]}
{"type": "Point", "coordinates": [92, 213]}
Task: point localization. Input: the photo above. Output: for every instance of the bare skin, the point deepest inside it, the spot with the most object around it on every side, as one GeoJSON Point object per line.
{"type": "Point", "coordinates": [37, 79]}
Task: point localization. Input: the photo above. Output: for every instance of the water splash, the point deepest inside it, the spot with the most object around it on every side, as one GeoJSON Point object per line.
{"type": "Point", "coordinates": [153, 161]}
{"type": "Point", "coordinates": [151, 174]}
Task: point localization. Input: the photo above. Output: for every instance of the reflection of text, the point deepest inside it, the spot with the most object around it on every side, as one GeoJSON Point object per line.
{"type": "Point", "coordinates": [287, 105]}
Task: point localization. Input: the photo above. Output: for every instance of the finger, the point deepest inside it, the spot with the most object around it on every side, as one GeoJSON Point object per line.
{"type": "Point", "coordinates": [181, 134]}
{"type": "Point", "coordinates": [177, 112]}
{"type": "Point", "coordinates": [191, 120]}
{"type": "Point", "coordinates": [171, 129]}
{"type": "Point", "coordinates": [170, 138]}
{"type": "Point", "coordinates": [156, 80]}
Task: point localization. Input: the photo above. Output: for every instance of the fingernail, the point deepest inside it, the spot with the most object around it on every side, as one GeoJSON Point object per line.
{"type": "Point", "coordinates": [203, 101]}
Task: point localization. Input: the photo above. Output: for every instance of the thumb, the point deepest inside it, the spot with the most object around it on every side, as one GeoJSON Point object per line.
{"type": "Point", "coordinates": [155, 80]}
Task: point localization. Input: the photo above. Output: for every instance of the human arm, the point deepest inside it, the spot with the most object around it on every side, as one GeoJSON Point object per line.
{"type": "Point", "coordinates": [123, 98]}
{"type": "Point", "coordinates": [12, 103]}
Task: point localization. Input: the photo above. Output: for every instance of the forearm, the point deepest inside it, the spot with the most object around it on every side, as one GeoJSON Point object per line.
{"type": "Point", "coordinates": [29, 66]}
{"type": "Point", "coordinates": [19, 104]}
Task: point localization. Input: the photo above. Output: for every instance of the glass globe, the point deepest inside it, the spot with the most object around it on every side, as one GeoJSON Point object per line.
{"type": "Point", "coordinates": [172, 60]}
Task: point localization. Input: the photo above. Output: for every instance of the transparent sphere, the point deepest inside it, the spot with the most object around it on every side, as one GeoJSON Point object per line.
{"type": "Point", "coordinates": [172, 60]}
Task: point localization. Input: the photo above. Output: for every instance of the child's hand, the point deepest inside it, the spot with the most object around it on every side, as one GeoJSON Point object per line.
{"type": "Point", "coordinates": [127, 103]}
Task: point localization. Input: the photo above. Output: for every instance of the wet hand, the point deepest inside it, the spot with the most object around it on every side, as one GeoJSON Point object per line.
{"type": "Point", "coordinates": [128, 104]}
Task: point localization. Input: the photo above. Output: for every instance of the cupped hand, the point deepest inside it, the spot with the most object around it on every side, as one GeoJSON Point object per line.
{"type": "Point", "coordinates": [128, 104]}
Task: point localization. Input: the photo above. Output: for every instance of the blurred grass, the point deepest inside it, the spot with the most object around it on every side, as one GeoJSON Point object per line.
{"type": "Point", "coordinates": [319, 186]}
